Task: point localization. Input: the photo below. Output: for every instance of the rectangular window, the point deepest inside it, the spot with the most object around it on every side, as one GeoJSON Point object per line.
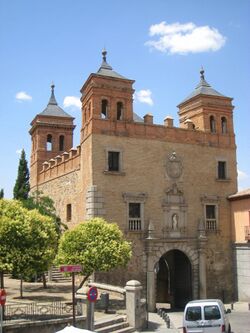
{"type": "Point", "coordinates": [69, 213]}
{"type": "Point", "coordinates": [211, 312]}
{"type": "Point", "coordinates": [135, 220]}
{"type": "Point", "coordinates": [211, 223]}
{"type": "Point", "coordinates": [193, 313]}
{"type": "Point", "coordinates": [113, 161]}
{"type": "Point", "coordinates": [221, 170]}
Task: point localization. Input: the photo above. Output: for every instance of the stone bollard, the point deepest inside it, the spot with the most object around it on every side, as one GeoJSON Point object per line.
{"type": "Point", "coordinates": [168, 322]}
{"type": "Point", "coordinates": [133, 304]}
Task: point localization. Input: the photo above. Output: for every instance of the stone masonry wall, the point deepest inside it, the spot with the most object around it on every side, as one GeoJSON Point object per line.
{"type": "Point", "coordinates": [144, 170]}
{"type": "Point", "coordinates": [65, 190]}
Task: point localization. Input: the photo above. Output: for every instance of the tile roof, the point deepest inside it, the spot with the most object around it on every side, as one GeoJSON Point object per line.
{"type": "Point", "coordinates": [52, 108]}
{"type": "Point", "coordinates": [241, 194]}
{"type": "Point", "coordinates": [106, 69]}
{"type": "Point", "coordinates": [203, 88]}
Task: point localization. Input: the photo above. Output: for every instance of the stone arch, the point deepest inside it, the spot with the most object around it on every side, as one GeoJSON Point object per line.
{"type": "Point", "coordinates": [186, 251]}
{"type": "Point", "coordinates": [192, 254]}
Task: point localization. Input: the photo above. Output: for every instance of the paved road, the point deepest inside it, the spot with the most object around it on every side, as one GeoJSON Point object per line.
{"type": "Point", "coordinates": [240, 322]}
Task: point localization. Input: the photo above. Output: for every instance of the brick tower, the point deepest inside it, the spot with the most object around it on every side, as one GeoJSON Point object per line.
{"type": "Point", "coordinates": [106, 95]}
{"type": "Point", "coordinates": [205, 109]}
{"type": "Point", "coordinates": [52, 134]}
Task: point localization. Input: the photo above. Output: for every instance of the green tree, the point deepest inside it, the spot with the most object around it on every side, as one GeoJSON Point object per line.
{"type": "Point", "coordinates": [45, 206]}
{"type": "Point", "coordinates": [96, 245]}
{"type": "Point", "coordinates": [22, 187]}
{"type": "Point", "coordinates": [1, 193]}
{"type": "Point", "coordinates": [28, 240]}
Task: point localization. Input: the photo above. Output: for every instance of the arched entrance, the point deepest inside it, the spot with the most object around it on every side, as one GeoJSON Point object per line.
{"type": "Point", "coordinates": [174, 280]}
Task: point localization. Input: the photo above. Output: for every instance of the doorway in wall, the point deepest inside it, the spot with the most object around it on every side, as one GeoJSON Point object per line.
{"type": "Point", "coordinates": [174, 280]}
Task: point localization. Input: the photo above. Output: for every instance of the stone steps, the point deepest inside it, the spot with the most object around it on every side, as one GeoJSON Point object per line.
{"type": "Point", "coordinates": [117, 324]}
{"type": "Point", "coordinates": [58, 276]}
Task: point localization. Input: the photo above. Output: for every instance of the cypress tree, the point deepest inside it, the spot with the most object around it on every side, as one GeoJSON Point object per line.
{"type": "Point", "coordinates": [1, 193]}
{"type": "Point", "coordinates": [22, 186]}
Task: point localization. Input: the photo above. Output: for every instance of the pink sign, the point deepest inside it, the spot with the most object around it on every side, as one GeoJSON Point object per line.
{"type": "Point", "coordinates": [70, 268]}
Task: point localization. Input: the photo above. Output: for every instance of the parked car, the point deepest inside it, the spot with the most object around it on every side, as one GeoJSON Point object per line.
{"type": "Point", "coordinates": [206, 316]}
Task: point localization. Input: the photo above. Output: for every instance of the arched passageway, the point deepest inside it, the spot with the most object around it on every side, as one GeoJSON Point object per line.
{"type": "Point", "coordinates": [174, 279]}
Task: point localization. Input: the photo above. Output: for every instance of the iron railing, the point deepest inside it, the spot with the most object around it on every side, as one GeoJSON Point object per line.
{"type": "Point", "coordinates": [38, 311]}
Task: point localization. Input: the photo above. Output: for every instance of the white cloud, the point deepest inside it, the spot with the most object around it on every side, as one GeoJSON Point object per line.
{"type": "Point", "coordinates": [70, 101]}
{"type": "Point", "coordinates": [242, 175]}
{"type": "Point", "coordinates": [184, 38]}
{"type": "Point", "coordinates": [144, 96]}
{"type": "Point", "coordinates": [243, 180]}
{"type": "Point", "coordinates": [23, 96]}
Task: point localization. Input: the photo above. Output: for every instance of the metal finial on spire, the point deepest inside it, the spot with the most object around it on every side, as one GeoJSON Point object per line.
{"type": "Point", "coordinates": [104, 53]}
{"type": "Point", "coordinates": [52, 99]}
{"type": "Point", "coordinates": [202, 73]}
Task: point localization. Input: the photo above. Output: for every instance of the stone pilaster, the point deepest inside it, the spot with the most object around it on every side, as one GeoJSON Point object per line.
{"type": "Point", "coordinates": [95, 203]}
{"type": "Point", "coordinates": [202, 268]}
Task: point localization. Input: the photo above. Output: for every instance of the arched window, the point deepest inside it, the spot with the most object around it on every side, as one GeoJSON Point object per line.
{"type": "Point", "coordinates": [104, 110]}
{"type": "Point", "coordinates": [212, 124]}
{"type": "Point", "coordinates": [61, 142]}
{"type": "Point", "coordinates": [119, 111]}
{"type": "Point", "coordinates": [224, 125]}
{"type": "Point", "coordinates": [49, 142]}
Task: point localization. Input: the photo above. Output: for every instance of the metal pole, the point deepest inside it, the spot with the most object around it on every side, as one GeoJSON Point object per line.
{"type": "Point", "coordinates": [1, 280]}
{"type": "Point", "coordinates": [92, 305]}
{"type": "Point", "coordinates": [90, 315]}
{"type": "Point", "coordinates": [73, 299]}
{"type": "Point", "coordinates": [1, 319]}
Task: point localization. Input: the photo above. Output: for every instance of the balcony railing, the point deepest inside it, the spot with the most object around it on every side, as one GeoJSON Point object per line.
{"type": "Point", "coordinates": [211, 224]}
{"type": "Point", "coordinates": [135, 224]}
{"type": "Point", "coordinates": [247, 233]}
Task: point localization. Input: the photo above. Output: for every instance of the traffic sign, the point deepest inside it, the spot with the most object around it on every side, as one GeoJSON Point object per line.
{"type": "Point", "coordinates": [2, 297]}
{"type": "Point", "coordinates": [92, 294]}
{"type": "Point", "coordinates": [70, 268]}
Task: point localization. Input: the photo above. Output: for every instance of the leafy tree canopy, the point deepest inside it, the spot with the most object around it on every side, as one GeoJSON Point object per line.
{"type": "Point", "coordinates": [28, 240]}
{"type": "Point", "coordinates": [96, 245]}
{"type": "Point", "coordinates": [1, 193]}
{"type": "Point", "coordinates": [45, 206]}
{"type": "Point", "coordinates": [22, 187]}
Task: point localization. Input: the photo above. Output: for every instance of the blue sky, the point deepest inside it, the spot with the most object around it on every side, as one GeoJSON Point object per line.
{"type": "Point", "coordinates": [161, 44]}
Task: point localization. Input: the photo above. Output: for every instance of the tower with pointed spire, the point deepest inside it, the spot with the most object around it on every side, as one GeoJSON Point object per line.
{"type": "Point", "coordinates": [207, 109]}
{"type": "Point", "coordinates": [52, 134]}
{"type": "Point", "coordinates": [106, 95]}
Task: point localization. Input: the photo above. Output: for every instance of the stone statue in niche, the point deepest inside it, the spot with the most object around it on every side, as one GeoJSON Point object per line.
{"type": "Point", "coordinates": [175, 220]}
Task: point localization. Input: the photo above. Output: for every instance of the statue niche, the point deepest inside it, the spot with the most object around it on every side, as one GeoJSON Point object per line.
{"type": "Point", "coordinates": [175, 212]}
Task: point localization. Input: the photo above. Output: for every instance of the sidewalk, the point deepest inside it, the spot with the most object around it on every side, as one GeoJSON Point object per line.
{"type": "Point", "coordinates": [157, 324]}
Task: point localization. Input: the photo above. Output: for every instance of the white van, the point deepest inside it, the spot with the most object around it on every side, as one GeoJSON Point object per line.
{"type": "Point", "coordinates": [206, 316]}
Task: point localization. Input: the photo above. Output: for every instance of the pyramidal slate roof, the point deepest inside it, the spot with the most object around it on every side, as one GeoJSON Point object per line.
{"type": "Point", "coordinates": [203, 88]}
{"type": "Point", "coordinates": [52, 108]}
{"type": "Point", "coordinates": [106, 69]}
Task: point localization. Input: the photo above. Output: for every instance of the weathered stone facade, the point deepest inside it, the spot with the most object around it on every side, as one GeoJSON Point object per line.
{"type": "Point", "coordinates": [165, 186]}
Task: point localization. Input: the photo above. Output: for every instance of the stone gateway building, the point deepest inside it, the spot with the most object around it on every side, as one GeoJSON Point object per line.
{"type": "Point", "coordinates": [165, 186]}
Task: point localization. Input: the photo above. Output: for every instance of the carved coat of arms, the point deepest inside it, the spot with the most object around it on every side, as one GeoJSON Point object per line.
{"type": "Point", "coordinates": [174, 166]}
